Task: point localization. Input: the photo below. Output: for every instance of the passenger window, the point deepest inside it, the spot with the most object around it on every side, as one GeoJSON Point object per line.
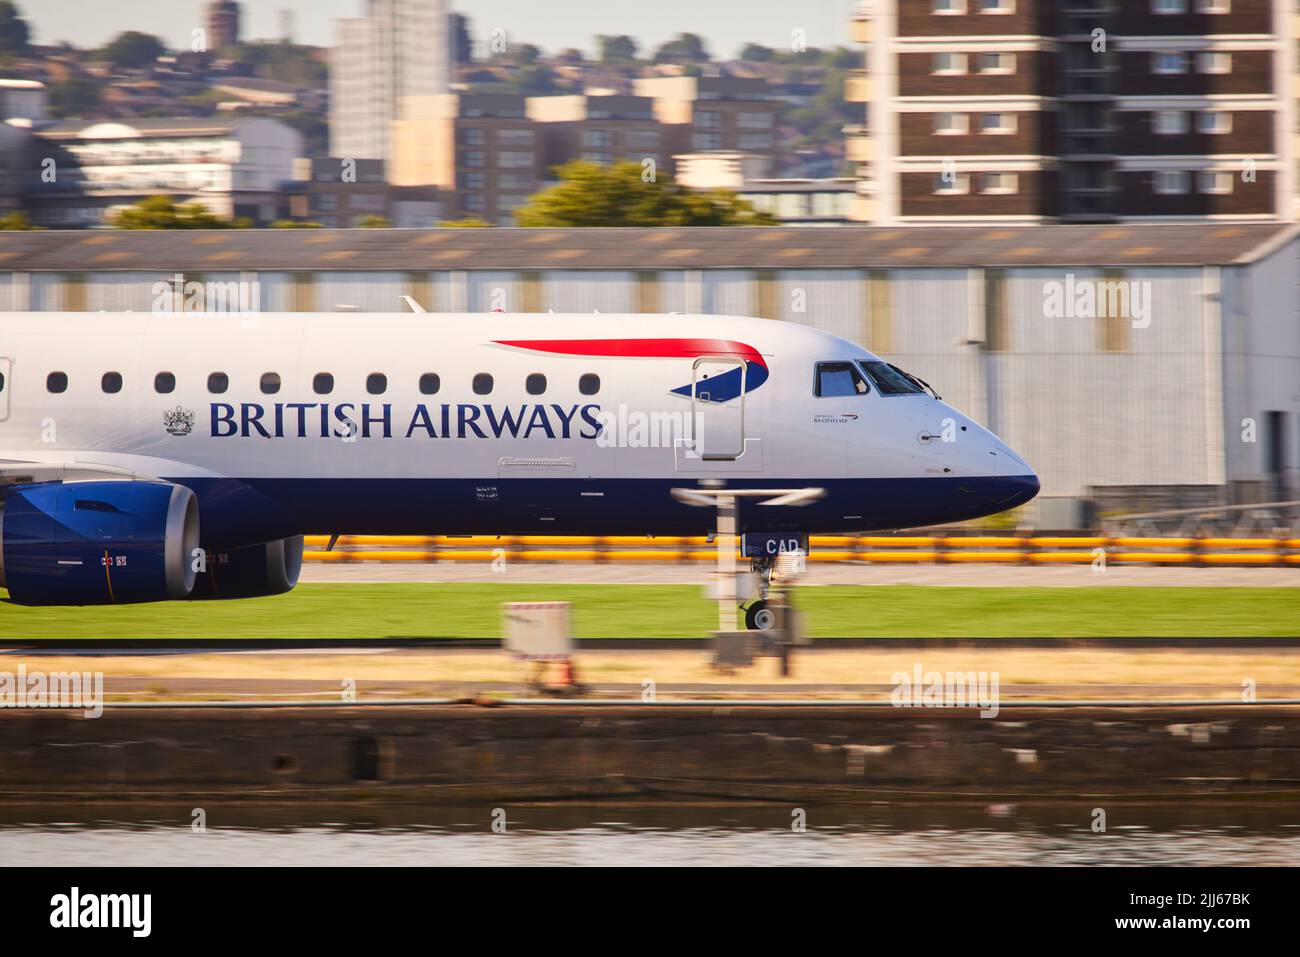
{"type": "Point", "coordinates": [535, 384]}
{"type": "Point", "coordinates": [840, 379]}
{"type": "Point", "coordinates": [56, 382]}
{"type": "Point", "coordinates": [218, 383]}
{"type": "Point", "coordinates": [323, 383]}
{"type": "Point", "coordinates": [111, 382]}
{"type": "Point", "coordinates": [270, 383]}
{"type": "Point", "coordinates": [430, 383]}
{"type": "Point", "coordinates": [891, 380]}
{"type": "Point", "coordinates": [164, 382]}
{"type": "Point", "coordinates": [482, 384]}
{"type": "Point", "coordinates": [2, 381]}
{"type": "Point", "coordinates": [589, 384]}
{"type": "Point", "coordinates": [376, 383]}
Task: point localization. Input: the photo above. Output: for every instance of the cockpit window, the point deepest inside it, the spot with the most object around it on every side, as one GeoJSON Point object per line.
{"type": "Point", "coordinates": [891, 380]}
{"type": "Point", "coordinates": [840, 378]}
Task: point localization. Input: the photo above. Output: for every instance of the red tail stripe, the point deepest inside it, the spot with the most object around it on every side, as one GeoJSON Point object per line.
{"type": "Point", "coordinates": [640, 348]}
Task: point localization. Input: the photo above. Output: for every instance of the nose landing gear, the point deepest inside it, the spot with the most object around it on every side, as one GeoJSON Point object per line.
{"type": "Point", "coordinates": [760, 616]}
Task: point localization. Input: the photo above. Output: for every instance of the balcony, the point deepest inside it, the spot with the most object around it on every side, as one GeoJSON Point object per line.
{"type": "Point", "coordinates": [857, 87]}
{"type": "Point", "coordinates": [859, 146]}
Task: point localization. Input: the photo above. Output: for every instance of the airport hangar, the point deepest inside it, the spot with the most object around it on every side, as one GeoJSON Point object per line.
{"type": "Point", "coordinates": [1188, 399]}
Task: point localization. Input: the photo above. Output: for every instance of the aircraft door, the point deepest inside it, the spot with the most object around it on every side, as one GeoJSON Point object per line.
{"type": "Point", "coordinates": [718, 408]}
{"type": "Point", "coordinates": [6, 385]}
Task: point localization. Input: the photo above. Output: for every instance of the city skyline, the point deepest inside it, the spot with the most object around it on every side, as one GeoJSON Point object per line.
{"type": "Point", "coordinates": [725, 27]}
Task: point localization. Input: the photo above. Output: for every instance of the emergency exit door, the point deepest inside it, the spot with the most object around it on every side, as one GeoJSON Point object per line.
{"type": "Point", "coordinates": [718, 408]}
{"type": "Point", "coordinates": [6, 386]}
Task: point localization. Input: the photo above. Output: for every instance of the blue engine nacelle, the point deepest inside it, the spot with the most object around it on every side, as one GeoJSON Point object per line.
{"type": "Point", "coordinates": [251, 572]}
{"type": "Point", "coordinates": [98, 543]}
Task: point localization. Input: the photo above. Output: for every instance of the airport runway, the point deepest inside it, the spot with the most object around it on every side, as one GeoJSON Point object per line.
{"type": "Point", "coordinates": [991, 576]}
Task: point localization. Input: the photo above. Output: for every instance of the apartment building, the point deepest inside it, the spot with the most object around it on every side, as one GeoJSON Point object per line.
{"type": "Point", "coordinates": [400, 50]}
{"type": "Point", "coordinates": [481, 147]}
{"type": "Point", "coordinates": [233, 167]}
{"type": "Point", "coordinates": [713, 113]}
{"type": "Point", "coordinates": [597, 127]}
{"type": "Point", "coordinates": [1024, 111]}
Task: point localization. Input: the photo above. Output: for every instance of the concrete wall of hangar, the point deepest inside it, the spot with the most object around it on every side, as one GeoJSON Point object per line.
{"type": "Point", "coordinates": [1088, 401]}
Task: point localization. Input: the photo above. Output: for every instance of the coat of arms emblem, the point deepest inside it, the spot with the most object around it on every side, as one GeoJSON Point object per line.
{"type": "Point", "coordinates": [179, 421]}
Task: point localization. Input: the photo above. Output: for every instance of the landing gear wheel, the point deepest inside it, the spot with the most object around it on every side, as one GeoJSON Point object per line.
{"type": "Point", "coordinates": [759, 617]}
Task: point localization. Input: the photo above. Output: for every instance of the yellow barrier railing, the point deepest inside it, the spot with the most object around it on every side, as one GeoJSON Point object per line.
{"type": "Point", "coordinates": [881, 549]}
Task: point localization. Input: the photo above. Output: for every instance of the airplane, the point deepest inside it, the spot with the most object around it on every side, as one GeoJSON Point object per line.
{"type": "Point", "coordinates": [167, 456]}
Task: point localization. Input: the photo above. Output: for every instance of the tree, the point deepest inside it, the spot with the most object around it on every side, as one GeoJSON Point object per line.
{"type": "Point", "coordinates": [14, 32]}
{"type": "Point", "coordinates": [464, 224]}
{"type": "Point", "coordinates": [295, 224]}
{"type": "Point", "coordinates": [589, 194]}
{"type": "Point", "coordinates": [527, 54]}
{"type": "Point", "coordinates": [757, 53]}
{"type": "Point", "coordinates": [159, 212]}
{"type": "Point", "coordinates": [76, 96]}
{"type": "Point", "coordinates": [616, 49]}
{"type": "Point", "coordinates": [374, 221]}
{"type": "Point", "coordinates": [133, 49]}
{"type": "Point", "coordinates": [683, 48]}
{"type": "Point", "coordinates": [15, 220]}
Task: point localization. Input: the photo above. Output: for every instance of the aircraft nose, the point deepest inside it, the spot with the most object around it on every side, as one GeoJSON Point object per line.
{"type": "Point", "coordinates": [1016, 490]}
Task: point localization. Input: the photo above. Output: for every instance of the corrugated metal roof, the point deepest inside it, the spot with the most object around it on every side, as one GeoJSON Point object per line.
{"type": "Point", "coordinates": [699, 248]}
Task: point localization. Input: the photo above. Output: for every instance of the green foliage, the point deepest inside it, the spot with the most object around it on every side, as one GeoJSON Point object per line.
{"type": "Point", "coordinates": [74, 97]}
{"type": "Point", "coordinates": [14, 32]}
{"type": "Point", "coordinates": [616, 49]}
{"type": "Point", "coordinates": [683, 48]}
{"type": "Point", "coordinates": [159, 212]}
{"type": "Point", "coordinates": [133, 49]}
{"type": "Point", "coordinates": [469, 223]}
{"type": "Point", "coordinates": [590, 194]}
{"type": "Point", "coordinates": [757, 53]}
{"type": "Point", "coordinates": [16, 220]}
{"type": "Point", "coordinates": [295, 224]}
{"type": "Point", "coordinates": [282, 62]}
{"type": "Point", "coordinates": [374, 221]}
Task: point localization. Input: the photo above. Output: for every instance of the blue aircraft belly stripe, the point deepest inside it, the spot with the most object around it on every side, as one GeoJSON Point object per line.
{"type": "Point", "coordinates": [244, 511]}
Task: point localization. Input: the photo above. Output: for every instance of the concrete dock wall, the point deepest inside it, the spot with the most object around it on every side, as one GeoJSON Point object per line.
{"type": "Point", "coordinates": [458, 753]}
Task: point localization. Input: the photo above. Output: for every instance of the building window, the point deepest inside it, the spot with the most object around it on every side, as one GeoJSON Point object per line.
{"type": "Point", "coordinates": [476, 203]}
{"type": "Point", "coordinates": [514, 160]}
{"type": "Point", "coordinates": [473, 137]}
{"type": "Point", "coordinates": [997, 123]}
{"type": "Point", "coordinates": [430, 383]}
{"type": "Point", "coordinates": [376, 383]}
{"type": "Point", "coordinates": [322, 383]}
{"type": "Point", "coordinates": [56, 382]}
{"type": "Point", "coordinates": [1214, 121]}
{"type": "Point", "coordinates": [482, 384]}
{"type": "Point", "coordinates": [755, 141]}
{"type": "Point", "coordinates": [708, 120]}
{"type": "Point", "coordinates": [1172, 182]}
{"type": "Point", "coordinates": [218, 383]}
{"type": "Point", "coordinates": [1168, 7]}
{"type": "Point", "coordinates": [473, 158]}
{"type": "Point", "coordinates": [996, 63]}
{"type": "Point", "coordinates": [948, 7]}
{"type": "Point", "coordinates": [1213, 6]}
{"type": "Point", "coordinates": [948, 64]}
{"type": "Point", "coordinates": [514, 137]}
{"type": "Point", "coordinates": [535, 384]}
{"type": "Point", "coordinates": [111, 382]}
{"type": "Point", "coordinates": [707, 141]}
{"type": "Point", "coordinates": [598, 138]}
{"type": "Point", "coordinates": [754, 121]}
{"type": "Point", "coordinates": [997, 6]}
{"type": "Point", "coordinates": [998, 184]}
{"type": "Point", "coordinates": [1216, 181]}
{"type": "Point", "coordinates": [475, 181]}
{"type": "Point", "coordinates": [1169, 62]}
{"type": "Point", "coordinates": [952, 184]}
{"type": "Point", "coordinates": [270, 383]}
{"type": "Point", "coordinates": [164, 383]}
{"type": "Point", "coordinates": [1171, 122]}
{"type": "Point", "coordinates": [951, 124]}
{"type": "Point", "coordinates": [1214, 61]}
{"type": "Point", "coordinates": [589, 384]}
